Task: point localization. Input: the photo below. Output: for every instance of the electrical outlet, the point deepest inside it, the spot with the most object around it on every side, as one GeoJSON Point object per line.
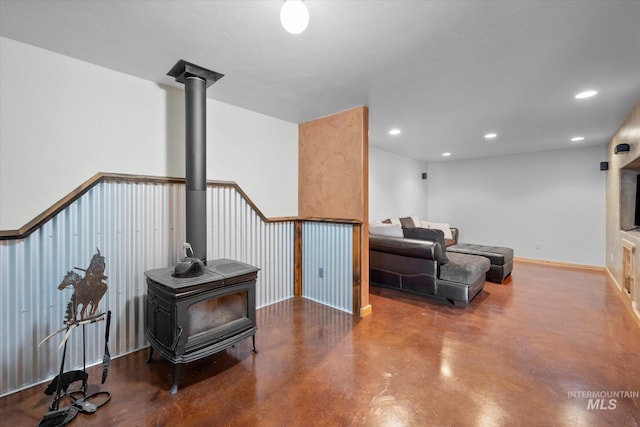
{"type": "Point", "coordinates": [321, 272]}
{"type": "Point", "coordinates": [538, 245]}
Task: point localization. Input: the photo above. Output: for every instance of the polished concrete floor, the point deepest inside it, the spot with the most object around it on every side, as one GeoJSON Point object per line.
{"type": "Point", "coordinates": [522, 353]}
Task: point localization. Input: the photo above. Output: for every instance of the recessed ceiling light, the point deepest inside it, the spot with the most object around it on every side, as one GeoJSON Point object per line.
{"type": "Point", "coordinates": [490, 135]}
{"type": "Point", "coordinates": [586, 94]}
{"type": "Point", "coordinates": [446, 154]}
{"type": "Point", "coordinates": [394, 132]}
{"type": "Point", "coordinates": [577, 138]}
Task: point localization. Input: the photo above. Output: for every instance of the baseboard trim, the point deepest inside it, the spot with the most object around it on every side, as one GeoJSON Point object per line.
{"type": "Point", "coordinates": [561, 264]}
{"type": "Point", "coordinates": [366, 310]}
{"type": "Point", "coordinates": [625, 299]}
{"type": "Point", "coordinates": [613, 279]}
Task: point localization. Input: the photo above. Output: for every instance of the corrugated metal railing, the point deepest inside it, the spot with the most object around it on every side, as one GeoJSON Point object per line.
{"type": "Point", "coordinates": [137, 226]}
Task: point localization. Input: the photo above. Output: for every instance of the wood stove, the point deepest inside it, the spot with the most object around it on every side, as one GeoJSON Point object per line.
{"type": "Point", "coordinates": [188, 319]}
{"type": "Point", "coordinates": [193, 313]}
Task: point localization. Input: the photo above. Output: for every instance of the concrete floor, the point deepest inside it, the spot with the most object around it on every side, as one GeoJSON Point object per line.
{"type": "Point", "coordinates": [532, 351]}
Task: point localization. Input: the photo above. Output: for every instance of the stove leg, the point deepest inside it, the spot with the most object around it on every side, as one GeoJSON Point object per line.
{"type": "Point", "coordinates": [253, 339]}
{"type": "Point", "coordinates": [176, 373]}
{"type": "Point", "coordinates": [150, 359]}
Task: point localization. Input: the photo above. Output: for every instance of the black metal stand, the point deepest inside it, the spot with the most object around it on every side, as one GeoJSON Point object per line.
{"type": "Point", "coordinates": [56, 398]}
{"type": "Point", "coordinates": [57, 416]}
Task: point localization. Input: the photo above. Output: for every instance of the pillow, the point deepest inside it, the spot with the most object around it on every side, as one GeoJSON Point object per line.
{"type": "Point", "coordinates": [389, 230]}
{"type": "Point", "coordinates": [446, 229]}
{"type": "Point", "coordinates": [427, 234]}
{"type": "Point", "coordinates": [392, 221]}
{"type": "Point", "coordinates": [407, 222]}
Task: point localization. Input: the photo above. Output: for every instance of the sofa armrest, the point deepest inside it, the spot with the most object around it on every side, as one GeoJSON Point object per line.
{"type": "Point", "coordinates": [414, 248]}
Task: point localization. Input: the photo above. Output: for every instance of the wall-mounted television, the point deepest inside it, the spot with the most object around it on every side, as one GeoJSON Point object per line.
{"type": "Point", "coordinates": [629, 199]}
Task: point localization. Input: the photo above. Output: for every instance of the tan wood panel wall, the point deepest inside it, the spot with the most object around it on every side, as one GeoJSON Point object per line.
{"type": "Point", "coordinates": [333, 177]}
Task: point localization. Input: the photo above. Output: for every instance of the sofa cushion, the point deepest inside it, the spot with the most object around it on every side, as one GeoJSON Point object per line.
{"type": "Point", "coordinates": [463, 268]}
{"type": "Point", "coordinates": [390, 230]}
{"type": "Point", "coordinates": [497, 255]}
{"type": "Point", "coordinates": [426, 234]}
{"type": "Point", "coordinates": [445, 227]}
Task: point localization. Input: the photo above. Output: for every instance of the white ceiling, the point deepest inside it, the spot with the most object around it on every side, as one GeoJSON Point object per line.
{"type": "Point", "coordinates": [444, 72]}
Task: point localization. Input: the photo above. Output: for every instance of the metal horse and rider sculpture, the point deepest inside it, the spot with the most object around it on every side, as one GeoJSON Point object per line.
{"type": "Point", "coordinates": [88, 290]}
{"type": "Point", "coordinates": [87, 293]}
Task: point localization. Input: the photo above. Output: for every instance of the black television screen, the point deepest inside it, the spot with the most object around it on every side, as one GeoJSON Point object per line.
{"type": "Point", "coordinates": [637, 220]}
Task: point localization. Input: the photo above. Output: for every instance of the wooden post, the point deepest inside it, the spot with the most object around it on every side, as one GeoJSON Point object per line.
{"type": "Point", "coordinates": [297, 259]}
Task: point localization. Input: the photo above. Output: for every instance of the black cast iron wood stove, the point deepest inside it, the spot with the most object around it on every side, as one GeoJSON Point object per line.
{"type": "Point", "coordinates": [188, 318]}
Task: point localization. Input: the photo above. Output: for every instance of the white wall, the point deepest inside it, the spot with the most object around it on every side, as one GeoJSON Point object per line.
{"type": "Point", "coordinates": [548, 206]}
{"type": "Point", "coordinates": [396, 187]}
{"type": "Point", "coordinates": [63, 120]}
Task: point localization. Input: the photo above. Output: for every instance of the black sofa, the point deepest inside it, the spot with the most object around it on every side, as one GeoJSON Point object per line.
{"type": "Point", "coordinates": [424, 267]}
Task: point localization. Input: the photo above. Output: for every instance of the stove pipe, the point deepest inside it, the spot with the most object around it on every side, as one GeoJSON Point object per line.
{"type": "Point", "coordinates": [196, 80]}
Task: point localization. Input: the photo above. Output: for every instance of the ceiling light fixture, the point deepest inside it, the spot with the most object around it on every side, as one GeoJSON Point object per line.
{"type": "Point", "coordinates": [294, 16]}
{"type": "Point", "coordinates": [446, 154]}
{"type": "Point", "coordinates": [577, 138]}
{"type": "Point", "coordinates": [490, 135]}
{"type": "Point", "coordinates": [586, 94]}
{"type": "Point", "coordinates": [394, 132]}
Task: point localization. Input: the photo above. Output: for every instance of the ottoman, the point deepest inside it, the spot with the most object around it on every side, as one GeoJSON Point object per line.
{"type": "Point", "coordinates": [462, 278]}
{"type": "Point", "coordinates": [501, 258]}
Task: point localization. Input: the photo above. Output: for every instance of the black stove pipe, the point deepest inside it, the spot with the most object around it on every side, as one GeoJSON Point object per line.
{"type": "Point", "coordinates": [196, 165]}
{"type": "Point", "coordinates": [196, 80]}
